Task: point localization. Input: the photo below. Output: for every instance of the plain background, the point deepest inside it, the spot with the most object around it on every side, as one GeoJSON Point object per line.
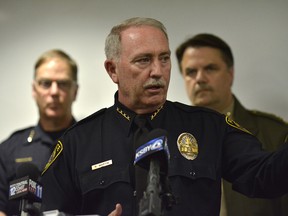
{"type": "Point", "coordinates": [256, 30]}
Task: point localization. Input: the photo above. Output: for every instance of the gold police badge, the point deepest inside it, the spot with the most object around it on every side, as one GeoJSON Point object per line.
{"type": "Point", "coordinates": [187, 146]}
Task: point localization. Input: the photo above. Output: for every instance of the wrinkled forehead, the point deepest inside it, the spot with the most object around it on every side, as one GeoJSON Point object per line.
{"type": "Point", "coordinates": [144, 36]}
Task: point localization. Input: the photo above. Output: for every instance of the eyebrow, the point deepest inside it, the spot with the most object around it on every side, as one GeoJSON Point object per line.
{"type": "Point", "coordinates": [214, 65]}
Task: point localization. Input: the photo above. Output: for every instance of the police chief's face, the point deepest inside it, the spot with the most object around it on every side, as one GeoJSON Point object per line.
{"type": "Point", "coordinates": [54, 89]}
{"type": "Point", "coordinates": [207, 77]}
{"type": "Point", "coordinates": [143, 70]}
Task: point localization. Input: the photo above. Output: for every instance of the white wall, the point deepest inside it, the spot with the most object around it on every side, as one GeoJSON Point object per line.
{"type": "Point", "coordinates": [256, 30]}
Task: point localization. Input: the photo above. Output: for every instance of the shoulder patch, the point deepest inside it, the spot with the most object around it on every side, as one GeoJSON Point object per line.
{"type": "Point", "coordinates": [234, 124]}
{"type": "Point", "coordinates": [56, 152]}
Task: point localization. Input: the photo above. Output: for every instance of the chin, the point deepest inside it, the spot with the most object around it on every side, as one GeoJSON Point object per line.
{"type": "Point", "coordinates": [151, 102]}
{"type": "Point", "coordinates": [54, 114]}
{"type": "Point", "coordinates": [158, 99]}
{"type": "Point", "coordinates": [202, 103]}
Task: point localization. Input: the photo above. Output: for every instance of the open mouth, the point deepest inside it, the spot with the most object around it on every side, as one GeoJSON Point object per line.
{"type": "Point", "coordinates": [154, 88]}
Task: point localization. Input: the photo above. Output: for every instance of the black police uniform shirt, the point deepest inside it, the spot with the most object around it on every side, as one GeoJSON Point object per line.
{"type": "Point", "coordinates": [30, 145]}
{"type": "Point", "coordinates": [91, 168]}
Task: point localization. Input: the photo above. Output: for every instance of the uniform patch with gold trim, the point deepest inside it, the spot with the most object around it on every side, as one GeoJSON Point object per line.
{"type": "Point", "coordinates": [234, 124]}
{"type": "Point", "coordinates": [56, 152]}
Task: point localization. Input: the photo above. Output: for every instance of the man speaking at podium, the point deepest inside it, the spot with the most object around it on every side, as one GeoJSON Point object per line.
{"type": "Point", "coordinates": [91, 169]}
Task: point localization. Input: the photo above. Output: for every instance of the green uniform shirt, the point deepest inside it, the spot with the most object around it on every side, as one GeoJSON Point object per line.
{"type": "Point", "coordinates": [272, 132]}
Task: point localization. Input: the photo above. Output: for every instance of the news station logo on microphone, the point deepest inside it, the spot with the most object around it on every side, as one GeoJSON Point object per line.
{"type": "Point", "coordinates": [155, 145]}
{"type": "Point", "coordinates": [25, 187]}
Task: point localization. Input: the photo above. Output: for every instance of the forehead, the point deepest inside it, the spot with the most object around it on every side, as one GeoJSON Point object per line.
{"type": "Point", "coordinates": [144, 37]}
{"type": "Point", "coordinates": [204, 54]}
{"type": "Point", "coordinates": [54, 67]}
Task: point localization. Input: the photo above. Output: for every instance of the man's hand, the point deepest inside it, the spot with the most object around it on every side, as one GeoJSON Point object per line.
{"type": "Point", "coordinates": [3, 214]}
{"type": "Point", "coordinates": [116, 212]}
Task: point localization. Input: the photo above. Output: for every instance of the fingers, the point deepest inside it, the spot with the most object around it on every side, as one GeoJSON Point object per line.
{"type": "Point", "coordinates": [117, 211]}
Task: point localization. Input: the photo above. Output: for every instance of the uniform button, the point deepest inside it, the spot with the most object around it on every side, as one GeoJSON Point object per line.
{"type": "Point", "coordinates": [102, 182]}
{"type": "Point", "coordinates": [134, 193]}
{"type": "Point", "coordinates": [192, 173]}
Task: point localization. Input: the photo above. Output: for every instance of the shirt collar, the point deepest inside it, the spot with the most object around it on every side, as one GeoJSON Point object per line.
{"type": "Point", "coordinates": [129, 115]}
{"type": "Point", "coordinates": [228, 111]}
{"type": "Point", "coordinates": [37, 133]}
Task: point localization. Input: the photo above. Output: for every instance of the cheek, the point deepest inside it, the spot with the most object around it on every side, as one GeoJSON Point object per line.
{"type": "Point", "coordinates": [222, 86]}
{"type": "Point", "coordinates": [40, 100]}
{"type": "Point", "coordinates": [72, 96]}
{"type": "Point", "coordinates": [190, 84]}
{"type": "Point", "coordinates": [66, 97]}
{"type": "Point", "coordinates": [225, 82]}
{"type": "Point", "coordinates": [167, 77]}
{"type": "Point", "coordinates": [37, 96]}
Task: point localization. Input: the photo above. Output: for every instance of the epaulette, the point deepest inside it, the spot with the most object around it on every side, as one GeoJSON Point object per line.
{"type": "Point", "coordinates": [88, 118]}
{"type": "Point", "coordinates": [21, 131]}
{"type": "Point", "coordinates": [268, 116]}
{"type": "Point", "coordinates": [189, 108]}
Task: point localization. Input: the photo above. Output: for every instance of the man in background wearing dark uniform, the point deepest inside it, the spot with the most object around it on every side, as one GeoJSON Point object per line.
{"type": "Point", "coordinates": [54, 89]}
{"type": "Point", "coordinates": [207, 66]}
{"type": "Point", "coordinates": [92, 168]}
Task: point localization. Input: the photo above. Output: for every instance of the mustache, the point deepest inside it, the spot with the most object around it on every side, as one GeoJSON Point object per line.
{"type": "Point", "coordinates": [203, 87]}
{"type": "Point", "coordinates": [153, 83]}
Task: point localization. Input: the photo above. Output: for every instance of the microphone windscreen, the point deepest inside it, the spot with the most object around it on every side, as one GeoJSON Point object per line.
{"type": "Point", "coordinates": [155, 133]}
{"type": "Point", "coordinates": [28, 169]}
{"type": "Point", "coordinates": [153, 146]}
{"type": "Point", "coordinates": [158, 132]}
{"type": "Point", "coordinates": [26, 186]}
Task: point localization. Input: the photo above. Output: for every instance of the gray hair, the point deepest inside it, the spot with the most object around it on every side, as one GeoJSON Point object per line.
{"type": "Point", "coordinates": [113, 40]}
{"type": "Point", "coordinates": [57, 53]}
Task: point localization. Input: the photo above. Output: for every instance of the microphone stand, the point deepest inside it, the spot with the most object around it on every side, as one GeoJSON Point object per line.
{"type": "Point", "coordinates": [28, 209]}
{"type": "Point", "coordinates": [151, 203]}
{"type": "Point", "coordinates": [157, 195]}
{"type": "Point", "coordinates": [23, 203]}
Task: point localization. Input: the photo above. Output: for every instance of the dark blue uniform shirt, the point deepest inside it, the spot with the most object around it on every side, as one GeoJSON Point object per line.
{"type": "Point", "coordinates": [30, 145]}
{"type": "Point", "coordinates": [92, 165]}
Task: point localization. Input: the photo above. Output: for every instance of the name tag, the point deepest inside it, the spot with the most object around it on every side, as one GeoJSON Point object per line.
{"type": "Point", "coordinates": [102, 164]}
{"type": "Point", "coordinates": [22, 160]}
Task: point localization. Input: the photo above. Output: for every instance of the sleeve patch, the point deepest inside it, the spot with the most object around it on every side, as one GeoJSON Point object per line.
{"type": "Point", "coordinates": [56, 152]}
{"type": "Point", "coordinates": [234, 124]}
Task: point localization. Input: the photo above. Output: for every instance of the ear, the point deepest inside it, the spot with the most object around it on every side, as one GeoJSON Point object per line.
{"type": "Point", "coordinates": [231, 72]}
{"type": "Point", "coordinates": [34, 90]}
{"type": "Point", "coordinates": [111, 70]}
{"type": "Point", "coordinates": [76, 92]}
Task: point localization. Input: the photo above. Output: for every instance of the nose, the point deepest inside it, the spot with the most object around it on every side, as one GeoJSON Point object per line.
{"type": "Point", "coordinates": [201, 77]}
{"type": "Point", "coordinates": [54, 89]}
{"type": "Point", "coordinates": [156, 69]}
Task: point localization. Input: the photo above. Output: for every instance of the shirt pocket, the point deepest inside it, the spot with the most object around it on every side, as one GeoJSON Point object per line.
{"type": "Point", "coordinates": [104, 177]}
{"type": "Point", "coordinates": [191, 169]}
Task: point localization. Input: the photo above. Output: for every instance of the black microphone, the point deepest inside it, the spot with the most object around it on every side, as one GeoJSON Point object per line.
{"type": "Point", "coordinates": [153, 155]}
{"type": "Point", "coordinates": [26, 188]}
{"type": "Point", "coordinates": [153, 145]}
